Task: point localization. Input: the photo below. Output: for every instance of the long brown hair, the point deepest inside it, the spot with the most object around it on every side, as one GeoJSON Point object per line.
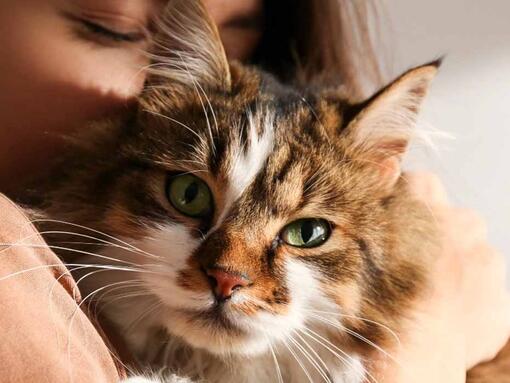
{"type": "Point", "coordinates": [334, 41]}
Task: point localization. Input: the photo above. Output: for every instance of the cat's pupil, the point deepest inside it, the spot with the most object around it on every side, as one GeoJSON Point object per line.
{"type": "Point", "coordinates": [191, 193]}
{"type": "Point", "coordinates": [307, 231]}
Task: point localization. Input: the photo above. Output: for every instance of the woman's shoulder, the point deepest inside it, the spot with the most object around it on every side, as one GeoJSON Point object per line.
{"type": "Point", "coordinates": [14, 222]}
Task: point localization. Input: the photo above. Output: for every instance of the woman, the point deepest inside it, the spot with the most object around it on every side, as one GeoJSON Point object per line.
{"type": "Point", "coordinates": [66, 62]}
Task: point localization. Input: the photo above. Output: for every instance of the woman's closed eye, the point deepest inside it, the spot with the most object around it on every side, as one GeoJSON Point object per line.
{"type": "Point", "coordinates": [107, 29]}
{"type": "Point", "coordinates": [101, 30]}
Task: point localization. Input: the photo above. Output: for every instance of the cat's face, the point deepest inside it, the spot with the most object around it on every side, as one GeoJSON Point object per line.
{"type": "Point", "coordinates": [259, 217]}
{"type": "Point", "coordinates": [263, 212]}
{"type": "Point", "coordinates": [259, 211]}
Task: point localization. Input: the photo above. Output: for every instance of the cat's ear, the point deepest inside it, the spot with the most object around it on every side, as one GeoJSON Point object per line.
{"type": "Point", "coordinates": [380, 132]}
{"type": "Point", "coordinates": [187, 48]}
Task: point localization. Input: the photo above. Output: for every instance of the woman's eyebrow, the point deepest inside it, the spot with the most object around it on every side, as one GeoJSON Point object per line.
{"type": "Point", "coordinates": [137, 11]}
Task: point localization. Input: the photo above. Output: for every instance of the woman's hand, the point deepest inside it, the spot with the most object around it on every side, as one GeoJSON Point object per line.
{"type": "Point", "coordinates": [466, 318]}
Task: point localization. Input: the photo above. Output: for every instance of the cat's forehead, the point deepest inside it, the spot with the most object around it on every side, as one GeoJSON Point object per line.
{"type": "Point", "coordinates": [267, 145]}
{"type": "Point", "coordinates": [275, 156]}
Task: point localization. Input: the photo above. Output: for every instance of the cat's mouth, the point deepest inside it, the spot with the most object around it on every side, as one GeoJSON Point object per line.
{"type": "Point", "coordinates": [217, 316]}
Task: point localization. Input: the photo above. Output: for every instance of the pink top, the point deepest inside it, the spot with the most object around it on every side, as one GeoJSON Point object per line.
{"type": "Point", "coordinates": [41, 341]}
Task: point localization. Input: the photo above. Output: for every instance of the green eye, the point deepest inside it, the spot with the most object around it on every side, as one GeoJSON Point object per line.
{"type": "Point", "coordinates": [308, 232]}
{"type": "Point", "coordinates": [190, 195]}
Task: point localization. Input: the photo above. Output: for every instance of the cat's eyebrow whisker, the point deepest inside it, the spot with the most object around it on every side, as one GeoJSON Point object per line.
{"type": "Point", "coordinates": [318, 177]}
{"type": "Point", "coordinates": [197, 152]}
{"type": "Point", "coordinates": [184, 68]}
{"type": "Point", "coordinates": [335, 350]}
{"type": "Point", "coordinates": [197, 171]}
{"type": "Point", "coordinates": [338, 314]}
{"type": "Point", "coordinates": [207, 99]}
{"type": "Point", "coordinates": [196, 162]}
{"type": "Point", "coordinates": [356, 335]}
{"type": "Point", "coordinates": [310, 359]}
{"type": "Point", "coordinates": [175, 121]}
{"type": "Point", "coordinates": [316, 116]}
{"type": "Point", "coordinates": [299, 361]}
{"type": "Point", "coordinates": [149, 67]}
{"type": "Point", "coordinates": [196, 85]}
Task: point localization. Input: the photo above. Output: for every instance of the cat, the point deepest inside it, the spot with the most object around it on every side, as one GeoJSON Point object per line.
{"type": "Point", "coordinates": [236, 229]}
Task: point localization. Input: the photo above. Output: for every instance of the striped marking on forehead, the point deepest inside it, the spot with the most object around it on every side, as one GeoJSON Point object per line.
{"type": "Point", "coordinates": [246, 161]}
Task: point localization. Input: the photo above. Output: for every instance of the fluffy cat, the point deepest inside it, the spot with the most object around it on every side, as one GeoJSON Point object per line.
{"type": "Point", "coordinates": [235, 229]}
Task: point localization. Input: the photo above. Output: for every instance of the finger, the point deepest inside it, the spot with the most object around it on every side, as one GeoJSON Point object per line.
{"type": "Point", "coordinates": [427, 187]}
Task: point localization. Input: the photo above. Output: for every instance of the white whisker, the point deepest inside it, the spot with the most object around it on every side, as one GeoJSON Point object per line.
{"type": "Point", "coordinates": [317, 356]}
{"type": "Point", "coordinates": [71, 321]}
{"type": "Point", "coordinates": [42, 267]}
{"type": "Point", "coordinates": [196, 85]}
{"type": "Point", "coordinates": [91, 230]}
{"type": "Point", "coordinates": [100, 241]}
{"type": "Point", "coordinates": [175, 121]}
{"type": "Point", "coordinates": [40, 246]}
{"type": "Point", "coordinates": [356, 335]}
{"type": "Point", "coordinates": [310, 359]}
{"type": "Point", "coordinates": [99, 307]}
{"type": "Point", "coordinates": [277, 365]}
{"type": "Point", "coordinates": [298, 361]}
{"type": "Point", "coordinates": [335, 350]}
{"type": "Point", "coordinates": [144, 315]}
{"type": "Point", "coordinates": [335, 314]}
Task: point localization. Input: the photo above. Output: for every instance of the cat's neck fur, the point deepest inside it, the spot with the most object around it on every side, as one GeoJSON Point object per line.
{"type": "Point", "coordinates": [291, 361]}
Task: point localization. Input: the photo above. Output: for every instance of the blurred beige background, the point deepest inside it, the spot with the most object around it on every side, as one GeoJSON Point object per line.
{"type": "Point", "coordinates": [470, 98]}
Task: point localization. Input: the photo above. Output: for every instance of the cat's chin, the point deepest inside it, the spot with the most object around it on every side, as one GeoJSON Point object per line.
{"type": "Point", "coordinates": [214, 332]}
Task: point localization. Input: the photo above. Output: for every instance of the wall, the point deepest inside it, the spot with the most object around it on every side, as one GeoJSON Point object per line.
{"type": "Point", "coordinates": [469, 99]}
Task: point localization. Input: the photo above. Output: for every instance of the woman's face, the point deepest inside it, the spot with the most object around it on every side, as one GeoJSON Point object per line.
{"type": "Point", "coordinates": [64, 62]}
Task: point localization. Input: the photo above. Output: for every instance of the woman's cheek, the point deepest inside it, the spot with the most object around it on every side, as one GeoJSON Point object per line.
{"type": "Point", "coordinates": [51, 78]}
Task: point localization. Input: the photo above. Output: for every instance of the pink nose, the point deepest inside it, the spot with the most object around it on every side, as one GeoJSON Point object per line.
{"type": "Point", "coordinates": [225, 283]}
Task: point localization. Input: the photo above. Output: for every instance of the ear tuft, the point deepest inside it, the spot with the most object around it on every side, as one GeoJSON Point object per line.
{"type": "Point", "coordinates": [188, 48]}
{"type": "Point", "coordinates": [381, 131]}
